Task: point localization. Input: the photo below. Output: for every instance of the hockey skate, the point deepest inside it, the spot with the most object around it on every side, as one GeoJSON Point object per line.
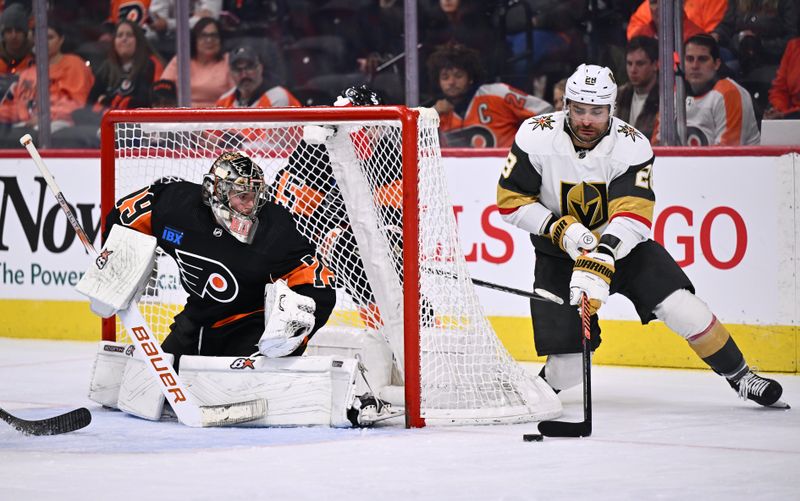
{"type": "Point", "coordinates": [368, 410]}
{"type": "Point", "coordinates": [761, 390]}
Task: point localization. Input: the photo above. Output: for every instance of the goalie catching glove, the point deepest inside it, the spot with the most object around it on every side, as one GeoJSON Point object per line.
{"type": "Point", "coordinates": [572, 237]}
{"type": "Point", "coordinates": [289, 320]}
{"type": "Point", "coordinates": [591, 275]}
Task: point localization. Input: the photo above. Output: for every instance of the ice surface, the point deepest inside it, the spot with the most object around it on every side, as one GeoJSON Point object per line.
{"type": "Point", "coordinates": [658, 434]}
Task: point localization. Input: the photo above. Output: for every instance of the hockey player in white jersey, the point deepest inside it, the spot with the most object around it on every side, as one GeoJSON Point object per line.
{"type": "Point", "coordinates": [580, 182]}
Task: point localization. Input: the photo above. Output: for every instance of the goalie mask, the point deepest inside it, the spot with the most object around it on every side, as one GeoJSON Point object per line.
{"type": "Point", "coordinates": [235, 190]}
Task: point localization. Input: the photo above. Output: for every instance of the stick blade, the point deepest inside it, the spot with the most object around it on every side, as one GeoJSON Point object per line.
{"type": "Point", "coordinates": [565, 429]}
{"type": "Point", "coordinates": [230, 414]}
{"type": "Point", "coordinates": [56, 425]}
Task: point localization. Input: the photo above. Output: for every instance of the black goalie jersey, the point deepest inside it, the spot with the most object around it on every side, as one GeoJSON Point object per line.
{"type": "Point", "coordinates": [224, 278]}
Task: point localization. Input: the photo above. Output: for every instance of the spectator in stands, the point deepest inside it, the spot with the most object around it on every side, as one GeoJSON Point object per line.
{"type": "Point", "coordinates": [472, 114]}
{"type": "Point", "coordinates": [718, 110]}
{"type": "Point", "coordinates": [123, 81]}
{"type": "Point", "coordinates": [761, 31]}
{"type": "Point", "coordinates": [251, 90]}
{"type": "Point", "coordinates": [160, 23]}
{"type": "Point", "coordinates": [784, 95]}
{"type": "Point", "coordinates": [556, 29]}
{"type": "Point", "coordinates": [70, 83]}
{"type": "Point", "coordinates": [16, 49]}
{"type": "Point", "coordinates": [208, 68]}
{"type": "Point", "coordinates": [465, 22]}
{"type": "Point", "coordinates": [637, 102]}
{"type": "Point", "coordinates": [714, 17]}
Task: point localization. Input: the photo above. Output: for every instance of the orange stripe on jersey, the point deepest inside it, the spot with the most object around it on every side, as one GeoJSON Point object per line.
{"type": "Point", "coordinates": [233, 318]}
{"type": "Point", "coordinates": [299, 199]}
{"type": "Point", "coordinates": [636, 208]}
{"type": "Point", "coordinates": [310, 272]}
{"type": "Point", "coordinates": [390, 195]}
{"type": "Point", "coordinates": [733, 113]}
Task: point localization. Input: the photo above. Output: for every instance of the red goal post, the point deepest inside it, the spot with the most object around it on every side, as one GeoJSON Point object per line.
{"type": "Point", "coordinates": [386, 163]}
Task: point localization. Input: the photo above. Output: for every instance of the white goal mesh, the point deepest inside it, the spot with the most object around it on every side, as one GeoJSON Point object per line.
{"type": "Point", "coordinates": [345, 191]}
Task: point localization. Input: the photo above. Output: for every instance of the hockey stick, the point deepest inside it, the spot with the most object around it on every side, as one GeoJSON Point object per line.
{"type": "Point", "coordinates": [56, 425]}
{"type": "Point", "coordinates": [187, 411]}
{"type": "Point", "coordinates": [582, 428]}
{"type": "Point", "coordinates": [537, 294]}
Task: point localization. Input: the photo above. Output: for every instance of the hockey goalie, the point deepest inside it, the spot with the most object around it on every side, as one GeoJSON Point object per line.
{"type": "Point", "coordinates": [257, 293]}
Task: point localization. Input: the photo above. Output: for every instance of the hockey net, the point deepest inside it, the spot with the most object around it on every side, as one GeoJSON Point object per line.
{"type": "Point", "coordinates": [346, 193]}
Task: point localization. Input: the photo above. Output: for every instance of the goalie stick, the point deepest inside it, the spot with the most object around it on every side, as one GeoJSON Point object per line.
{"type": "Point", "coordinates": [56, 425]}
{"type": "Point", "coordinates": [581, 428]}
{"type": "Point", "coordinates": [187, 411]}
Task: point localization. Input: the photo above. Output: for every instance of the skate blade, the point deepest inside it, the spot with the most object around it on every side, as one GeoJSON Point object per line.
{"type": "Point", "coordinates": [779, 404]}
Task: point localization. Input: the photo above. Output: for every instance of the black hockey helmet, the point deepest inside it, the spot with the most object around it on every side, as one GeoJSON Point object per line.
{"type": "Point", "coordinates": [359, 95]}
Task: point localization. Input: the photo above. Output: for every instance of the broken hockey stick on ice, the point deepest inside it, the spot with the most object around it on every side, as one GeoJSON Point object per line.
{"type": "Point", "coordinates": [581, 428]}
{"type": "Point", "coordinates": [537, 294]}
{"type": "Point", "coordinates": [56, 425]}
{"type": "Point", "coordinates": [187, 411]}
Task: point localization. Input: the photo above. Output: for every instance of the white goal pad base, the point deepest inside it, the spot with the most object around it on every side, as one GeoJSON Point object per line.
{"type": "Point", "coordinates": [109, 365]}
{"type": "Point", "coordinates": [300, 391]}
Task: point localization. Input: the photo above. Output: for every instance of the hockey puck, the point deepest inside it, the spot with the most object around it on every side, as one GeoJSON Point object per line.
{"type": "Point", "coordinates": [532, 437]}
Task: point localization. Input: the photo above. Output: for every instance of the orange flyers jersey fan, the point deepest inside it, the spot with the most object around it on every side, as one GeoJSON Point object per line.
{"type": "Point", "coordinates": [611, 180]}
{"type": "Point", "coordinates": [492, 117]}
{"type": "Point", "coordinates": [224, 278]}
{"type": "Point", "coordinates": [722, 116]}
{"type": "Point", "coordinates": [275, 97]}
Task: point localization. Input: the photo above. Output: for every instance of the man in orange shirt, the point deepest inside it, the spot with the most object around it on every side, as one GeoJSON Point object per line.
{"type": "Point", "coordinates": [699, 16]}
{"type": "Point", "coordinates": [477, 115]}
{"type": "Point", "coordinates": [251, 90]}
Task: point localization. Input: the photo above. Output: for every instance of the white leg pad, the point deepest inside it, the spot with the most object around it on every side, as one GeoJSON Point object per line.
{"type": "Point", "coordinates": [109, 365]}
{"type": "Point", "coordinates": [140, 393]}
{"type": "Point", "coordinates": [366, 344]}
{"type": "Point", "coordinates": [564, 370]}
{"type": "Point", "coordinates": [684, 313]}
{"type": "Point", "coordinates": [300, 391]}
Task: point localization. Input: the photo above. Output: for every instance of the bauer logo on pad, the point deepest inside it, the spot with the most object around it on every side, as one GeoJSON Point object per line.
{"type": "Point", "coordinates": [172, 235]}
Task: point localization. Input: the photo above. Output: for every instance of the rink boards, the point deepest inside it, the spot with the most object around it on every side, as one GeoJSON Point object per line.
{"type": "Point", "coordinates": [730, 217]}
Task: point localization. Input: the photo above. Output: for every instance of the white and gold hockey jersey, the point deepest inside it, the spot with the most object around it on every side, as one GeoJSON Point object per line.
{"type": "Point", "coordinates": [546, 177]}
{"type": "Point", "coordinates": [722, 116]}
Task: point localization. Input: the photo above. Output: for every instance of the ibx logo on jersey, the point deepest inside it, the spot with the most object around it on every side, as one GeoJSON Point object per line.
{"type": "Point", "coordinates": [243, 363]}
{"type": "Point", "coordinates": [172, 235]}
{"type": "Point", "coordinates": [206, 277]}
{"type": "Point", "coordinates": [102, 258]}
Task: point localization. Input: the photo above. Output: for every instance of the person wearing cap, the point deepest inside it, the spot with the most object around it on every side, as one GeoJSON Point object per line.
{"type": "Point", "coordinates": [70, 83]}
{"type": "Point", "coordinates": [16, 48]}
{"type": "Point", "coordinates": [251, 90]}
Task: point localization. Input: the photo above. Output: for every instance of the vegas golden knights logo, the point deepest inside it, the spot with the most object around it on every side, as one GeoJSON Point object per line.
{"type": "Point", "coordinates": [587, 202]}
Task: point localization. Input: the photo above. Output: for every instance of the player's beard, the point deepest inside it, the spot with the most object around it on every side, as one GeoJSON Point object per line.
{"type": "Point", "coordinates": [588, 135]}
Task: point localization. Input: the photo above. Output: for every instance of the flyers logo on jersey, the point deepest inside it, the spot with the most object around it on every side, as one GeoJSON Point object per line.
{"type": "Point", "coordinates": [206, 277]}
{"type": "Point", "coordinates": [586, 202]}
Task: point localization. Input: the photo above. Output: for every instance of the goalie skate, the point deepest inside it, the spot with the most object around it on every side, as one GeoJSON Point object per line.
{"type": "Point", "coordinates": [368, 410]}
